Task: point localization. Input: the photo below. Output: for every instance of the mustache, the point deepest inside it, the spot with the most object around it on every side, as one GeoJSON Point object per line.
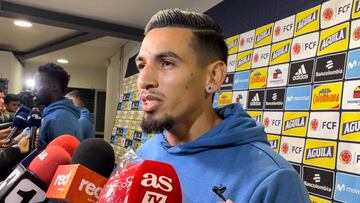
{"type": "Point", "coordinates": [152, 92]}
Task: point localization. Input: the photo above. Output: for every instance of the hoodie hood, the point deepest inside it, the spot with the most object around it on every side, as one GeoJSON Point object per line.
{"type": "Point", "coordinates": [66, 104]}
{"type": "Point", "coordinates": [85, 113]}
{"type": "Point", "coordinates": [236, 128]}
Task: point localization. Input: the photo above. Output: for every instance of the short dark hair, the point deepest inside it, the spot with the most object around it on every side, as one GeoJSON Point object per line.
{"type": "Point", "coordinates": [57, 73]}
{"type": "Point", "coordinates": [11, 97]}
{"type": "Point", "coordinates": [208, 40]}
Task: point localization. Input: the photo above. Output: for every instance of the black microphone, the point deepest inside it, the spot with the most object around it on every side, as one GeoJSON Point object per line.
{"type": "Point", "coordinates": [5, 125]}
{"type": "Point", "coordinates": [34, 122]}
{"type": "Point", "coordinates": [24, 109]}
{"type": "Point", "coordinates": [219, 191]}
{"type": "Point", "coordinates": [18, 124]}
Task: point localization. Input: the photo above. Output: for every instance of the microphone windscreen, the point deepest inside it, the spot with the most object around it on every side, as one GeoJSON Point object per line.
{"type": "Point", "coordinates": [46, 163]}
{"type": "Point", "coordinates": [67, 142]}
{"type": "Point", "coordinates": [20, 120]}
{"type": "Point", "coordinates": [34, 119]}
{"type": "Point", "coordinates": [24, 109]}
{"type": "Point", "coordinates": [95, 154]}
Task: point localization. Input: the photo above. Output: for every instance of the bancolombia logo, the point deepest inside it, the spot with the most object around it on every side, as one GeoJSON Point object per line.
{"type": "Point", "coordinates": [318, 181]}
{"type": "Point", "coordinates": [326, 96]}
{"type": "Point", "coordinates": [320, 153]}
{"type": "Point", "coordinates": [334, 39]}
{"type": "Point", "coordinates": [330, 68]}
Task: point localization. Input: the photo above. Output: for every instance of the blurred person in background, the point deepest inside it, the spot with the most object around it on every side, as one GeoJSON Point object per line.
{"type": "Point", "coordinates": [12, 103]}
{"type": "Point", "coordinates": [86, 119]}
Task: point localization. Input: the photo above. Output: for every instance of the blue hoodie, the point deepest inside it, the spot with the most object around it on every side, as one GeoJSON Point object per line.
{"type": "Point", "coordinates": [236, 154]}
{"type": "Point", "coordinates": [60, 118]}
{"type": "Point", "coordinates": [86, 121]}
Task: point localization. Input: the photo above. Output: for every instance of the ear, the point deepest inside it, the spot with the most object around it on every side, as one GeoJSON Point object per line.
{"type": "Point", "coordinates": [216, 73]}
{"type": "Point", "coordinates": [55, 87]}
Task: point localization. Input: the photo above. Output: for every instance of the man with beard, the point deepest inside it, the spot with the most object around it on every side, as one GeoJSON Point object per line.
{"type": "Point", "coordinates": [60, 115]}
{"type": "Point", "coordinates": [182, 63]}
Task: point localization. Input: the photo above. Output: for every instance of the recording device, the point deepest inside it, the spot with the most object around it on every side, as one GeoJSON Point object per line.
{"type": "Point", "coordinates": [5, 125]}
{"type": "Point", "coordinates": [29, 185]}
{"type": "Point", "coordinates": [148, 181]}
{"type": "Point", "coordinates": [34, 122]}
{"type": "Point", "coordinates": [83, 180]}
{"type": "Point", "coordinates": [18, 124]}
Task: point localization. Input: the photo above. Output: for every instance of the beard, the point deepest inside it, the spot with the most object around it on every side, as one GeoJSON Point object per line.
{"type": "Point", "coordinates": [151, 125]}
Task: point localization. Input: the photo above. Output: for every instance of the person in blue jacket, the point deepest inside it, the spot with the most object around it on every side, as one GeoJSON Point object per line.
{"type": "Point", "coordinates": [182, 63]}
{"type": "Point", "coordinates": [86, 119]}
{"type": "Point", "coordinates": [60, 115]}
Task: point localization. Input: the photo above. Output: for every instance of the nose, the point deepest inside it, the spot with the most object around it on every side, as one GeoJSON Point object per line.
{"type": "Point", "coordinates": [148, 77]}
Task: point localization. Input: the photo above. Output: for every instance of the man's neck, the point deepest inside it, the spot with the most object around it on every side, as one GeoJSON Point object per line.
{"type": "Point", "coordinates": [56, 98]}
{"type": "Point", "coordinates": [184, 132]}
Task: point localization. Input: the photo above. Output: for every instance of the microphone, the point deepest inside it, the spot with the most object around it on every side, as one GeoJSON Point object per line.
{"type": "Point", "coordinates": [34, 122]}
{"type": "Point", "coordinates": [5, 125]}
{"type": "Point", "coordinates": [83, 180]}
{"type": "Point", "coordinates": [22, 108]}
{"type": "Point", "coordinates": [18, 124]}
{"type": "Point", "coordinates": [29, 185]}
{"type": "Point", "coordinates": [67, 142]}
{"type": "Point", "coordinates": [149, 181]}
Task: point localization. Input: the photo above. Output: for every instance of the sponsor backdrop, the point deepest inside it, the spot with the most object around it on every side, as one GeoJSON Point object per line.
{"type": "Point", "coordinates": [300, 77]}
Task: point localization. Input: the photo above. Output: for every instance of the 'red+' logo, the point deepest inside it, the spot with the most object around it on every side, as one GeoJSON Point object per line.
{"type": "Point", "coordinates": [285, 148]}
{"type": "Point", "coordinates": [328, 14]}
{"type": "Point", "coordinates": [277, 31]}
{"type": "Point", "coordinates": [296, 48]}
{"type": "Point", "coordinates": [314, 124]}
{"type": "Point", "coordinates": [356, 34]}
{"type": "Point", "coordinates": [345, 156]}
{"type": "Point", "coordinates": [256, 58]}
{"type": "Point", "coordinates": [266, 122]}
{"type": "Point", "coordinates": [242, 42]}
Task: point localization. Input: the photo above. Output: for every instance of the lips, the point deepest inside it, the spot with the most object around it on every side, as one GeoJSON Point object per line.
{"type": "Point", "coordinates": [150, 103]}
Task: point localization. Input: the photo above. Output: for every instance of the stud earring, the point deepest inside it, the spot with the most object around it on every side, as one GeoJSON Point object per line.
{"type": "Point", "coordinates": [209, 88]}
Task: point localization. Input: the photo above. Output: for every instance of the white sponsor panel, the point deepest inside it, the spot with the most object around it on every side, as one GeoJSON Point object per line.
{"type": "Point", "coordinates": [246, 40]}
{"type": "Point", "coordinates": [284, 29]}
{"type": "Point", "coordinates": [351, 95]}
{"type": "Point", "coordinates": [324, 125]}
{"type": "Point", "coordinates": [231, 63]}
{"type": "Point", "coordinates": [355, 34]}
{"type": "Point", "coordinates": [349, 157]}
{"type": "Point", "coordinates": [273, 121]}
{"type": "Point", "coordinates": [304, 46]}
{"type": "Point", "coordinates": [240, 97]}
{"type": "Point", "coordinates": [278, 75]}
{"type": "Point", "coordinates": [261, 57]}
{"type": "Point", "coordinates": [292, 148]}
{"type": "Point", "coordinates": [334, 12]}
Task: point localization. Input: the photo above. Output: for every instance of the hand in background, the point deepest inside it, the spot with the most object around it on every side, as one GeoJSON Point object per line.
{"type": "Point", "coordinates": [4, 132]}
{"type": "Point", "coordinates": [24, 144]}
{"type": "Point", "coordinates": [4, 143]}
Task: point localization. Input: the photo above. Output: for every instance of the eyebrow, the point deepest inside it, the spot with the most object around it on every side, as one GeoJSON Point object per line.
{"type": "Point", "coordinates": [161, 55]}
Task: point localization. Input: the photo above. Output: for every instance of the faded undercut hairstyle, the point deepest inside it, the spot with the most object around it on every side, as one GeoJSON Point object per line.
{"type": "Point", "coordinates": [208, 41]}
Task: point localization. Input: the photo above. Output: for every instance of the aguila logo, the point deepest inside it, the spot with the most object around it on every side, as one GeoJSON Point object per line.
{"type": "Point", "coordinates": [314, 124]}
{"type": "Point", "coordinates": [296, 48]}
{"type": "Point", "coordinates": [277, 31]}
{"type": "Point", "coordinates": [256, 58]}
{"type": "Point", "coordinates": [285, 148]}
{"type": "Point", "coordinates": [266, 122]}
{"type": "Point", "coordinates": [345, 156]}
{"type": "Point", "coordinates": [356, 34]}
{"type": "Point", "coordinates": [242, 42]}
{"type": "Point", "coordinates": [328, 14]}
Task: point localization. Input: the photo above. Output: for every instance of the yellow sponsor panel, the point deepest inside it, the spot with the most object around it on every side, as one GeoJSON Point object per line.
{"type": "Point", "coordinates": [257, 115]}
{"type": "Point", "coordinates": [232, 43]}
{"type": "Point", "coordinates": [263, 35]}
{"type": "Point", "coordinates": [334, 39]}
{"type": "Point", "coordinates": [258, 78]}
{"type": "Point", "coordinates": [307, 21]}
{"type": "Point", "coordinates": [129, 134]}
{"type": "Point", "coordinates": [356, 9]}
{"type": "Point", "coordinates": [274, 142]}
{"type": "Point", "coordinates": [295, 123]}
{"type": "Point", "coordinates": [350, 126]}
{"type": "Point", "coordinates": [320, 153]}
{"type": "Point", "coordinates": [243, 61]}
{"type": "Point", "coordinates": [224, 98]}
{"type": "Point", "coordinates": [280, 52]}
{"type": "Point", "coordinates": [314, 199]}
{"type": "Point", "coordinates": [326, 96]}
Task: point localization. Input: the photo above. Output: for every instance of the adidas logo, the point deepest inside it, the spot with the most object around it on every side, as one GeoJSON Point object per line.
{"type": "Point", "coordinates": [301, 74]}
{"type": "Point", "coordinates": [274, 96]}
{"type": "Point", "coordinates": [329, 64]}
{"type": "Point", "coordinates": [255, 101]}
